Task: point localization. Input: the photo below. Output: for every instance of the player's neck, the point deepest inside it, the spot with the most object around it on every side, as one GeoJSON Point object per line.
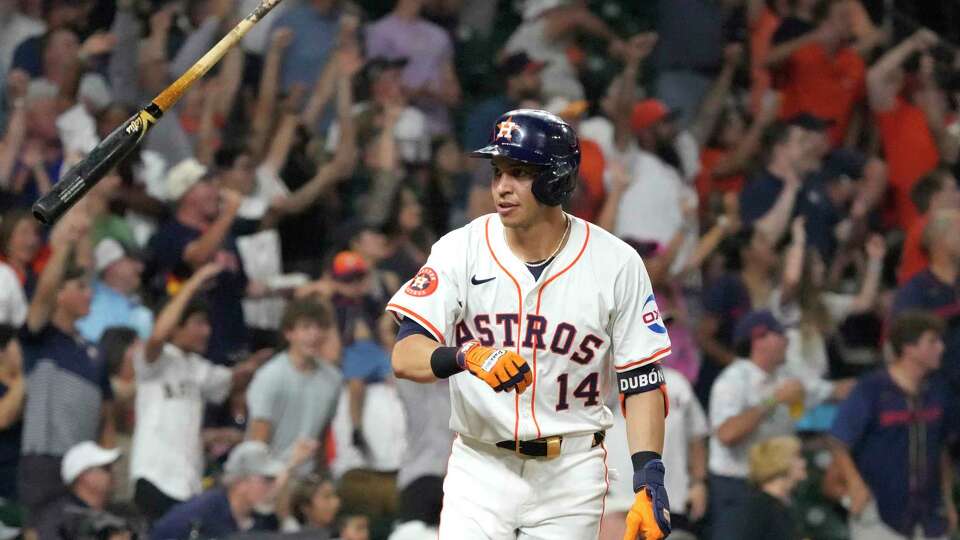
{"type": "Point", "coordinates": [540, 240]}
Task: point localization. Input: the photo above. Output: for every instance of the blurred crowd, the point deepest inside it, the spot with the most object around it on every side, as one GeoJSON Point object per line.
{"type": "Point", "coordinates": [199, 348]}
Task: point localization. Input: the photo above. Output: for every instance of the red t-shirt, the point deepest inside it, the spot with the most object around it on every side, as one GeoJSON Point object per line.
{"type": "Point", "coordinates": [707, 184]}
{"type": "Point", "coordinates": [761, 36]}
{"type": "Point", "coordinates": [588, 199]}
{"type": "Point", "coordinates": [827, 86]}
{"type": "Point", "coordinates": [911, 153]}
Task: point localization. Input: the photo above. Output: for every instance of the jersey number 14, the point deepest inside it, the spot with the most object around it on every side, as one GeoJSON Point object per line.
{"type": "Point", "coordinates": [587, 390]}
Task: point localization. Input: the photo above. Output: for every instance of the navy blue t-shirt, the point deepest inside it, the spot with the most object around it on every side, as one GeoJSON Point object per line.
{"type": "Point", "coordinates": [209, 512]}
{"type": "Point", "coordinates": [925, 291]}
{"type": "Point", "coordinates": [9, 456]}
{"type": "Point", "coordinates": [759, 196]}
{"type": "Point", "coordinates": [228, 327]}
{"type": "Point", "coordinates": [882, 426]}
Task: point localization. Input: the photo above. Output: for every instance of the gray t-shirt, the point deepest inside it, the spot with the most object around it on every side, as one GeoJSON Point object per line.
{"type": "Point", "coordinates": [298, 404]}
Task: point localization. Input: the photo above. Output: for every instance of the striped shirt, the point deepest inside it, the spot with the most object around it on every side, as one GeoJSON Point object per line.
{"type": "Point", "coordinates": [67, 383]}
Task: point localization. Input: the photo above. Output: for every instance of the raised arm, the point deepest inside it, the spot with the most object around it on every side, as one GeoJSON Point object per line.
{"type": "Point", "coordinates": [267, 94]}
{"type": "Point", "coordinates": [639, 48]}
{"type": "Point", "coordinates": [774, 222]}
{"type": "Point", "coordinates": [882, 85]}
{"type": "Point", "coordinates": [122, 66]}
{"type": "Point", "coordinates": [712, 106]}
{"type": "Point", "coordinates": [66, 235]}
{"type": "Point", "coordinates": [866, 299]}
{"type": "Point", "coordinates": [793, 261]}
{"type": "Point", "coordinates": [201, 250]}
{"type": "Point", "coordinates": [169, 316]}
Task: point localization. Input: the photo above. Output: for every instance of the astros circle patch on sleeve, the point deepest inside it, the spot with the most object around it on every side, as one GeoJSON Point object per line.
{"type": "Point", "coordinates": [423, 284]}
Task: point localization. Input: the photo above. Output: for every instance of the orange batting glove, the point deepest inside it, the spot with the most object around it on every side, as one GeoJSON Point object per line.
{"type": "Point", "coordinates": [499, 368]}
{"type": "Point", "coordinates": [649, 517]}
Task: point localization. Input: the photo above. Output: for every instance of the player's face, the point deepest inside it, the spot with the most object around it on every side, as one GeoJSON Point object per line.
{"type": "Point", "coordinates": [512, 190]}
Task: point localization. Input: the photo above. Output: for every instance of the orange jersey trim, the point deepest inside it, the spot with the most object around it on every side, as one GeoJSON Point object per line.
{"type": "Point", "coordinates": [516, 397]}
{"type": "Point", "coordinates": [420, 319]}
{"type": "Point", "coordinates": [533, 398]}
{"type": "Point", "coordinates": [655, 356]}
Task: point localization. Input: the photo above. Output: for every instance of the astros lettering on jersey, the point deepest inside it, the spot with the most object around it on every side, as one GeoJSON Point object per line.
{"type": "Point", "coordinates": [592, 311]}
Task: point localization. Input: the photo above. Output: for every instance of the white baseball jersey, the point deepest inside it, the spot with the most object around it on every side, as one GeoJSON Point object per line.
{"type": "Point", "coordinates": [591, 311]}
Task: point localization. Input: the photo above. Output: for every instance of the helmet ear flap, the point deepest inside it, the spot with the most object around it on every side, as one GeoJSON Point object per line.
{"type": "Point", "coordinates": [555, 183]}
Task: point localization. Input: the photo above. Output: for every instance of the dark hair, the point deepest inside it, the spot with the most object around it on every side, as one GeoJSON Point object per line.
{"type": "Point", "coordinates": [7, 226]}
{"type": "Point", "coordinates": [227, 155]}
{"type": "Point", "coordinates": [303, 491]}
{"type": "Point", "coordinates": [196, 306]}
{"type": "Point", "coordinates": [776, 134]}
{"type": "Point", "coordinates": [309, 310]}
{"type": "Point", "coordinates": [114, 344]}
{"type": "Point", "coordinates": [923, 191]}
{"type": "Point", "coordinates": [733, 246]}
{"type": "Point", "coordinates": [910, 326]}
{"type": "Point", "coordinates": [7, 334]}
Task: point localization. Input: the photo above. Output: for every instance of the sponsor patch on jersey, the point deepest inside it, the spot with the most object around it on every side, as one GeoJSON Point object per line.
{"type": "Point", "coordinates": [423, 284]}
{"type": "Point", "coordinates": [651, 316]}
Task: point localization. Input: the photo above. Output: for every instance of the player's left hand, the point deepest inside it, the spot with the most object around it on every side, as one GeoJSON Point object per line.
{"type": "Point", "coordinates": [649, 517]}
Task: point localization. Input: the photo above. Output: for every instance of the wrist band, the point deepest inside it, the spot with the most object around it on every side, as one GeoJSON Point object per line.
{"type": "Point", "coordinates": [640, 459]}
{"type": "Point", "coordinates": [443, 362]}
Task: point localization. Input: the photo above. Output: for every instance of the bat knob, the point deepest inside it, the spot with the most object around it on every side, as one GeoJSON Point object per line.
{"type": "Point", "coordinates": [48, 209]}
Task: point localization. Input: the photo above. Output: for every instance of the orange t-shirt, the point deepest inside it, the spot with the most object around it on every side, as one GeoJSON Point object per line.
{"type": "Point", "coordinates": [911, 153]}
{"type": "Point", "coordinates": [761, 36]}
{"type": "Point", "coordinates": [588, 200]}
{"type": "Point", "coordinates": [827, 86]}
{"type": "Point", "coordinates": [914, 257]}
{"type": "Point", "coordinates": [706, 183]}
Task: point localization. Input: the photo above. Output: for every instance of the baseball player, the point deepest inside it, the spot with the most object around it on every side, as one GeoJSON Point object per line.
{"type": "Point", "coordinates": [528, 312]}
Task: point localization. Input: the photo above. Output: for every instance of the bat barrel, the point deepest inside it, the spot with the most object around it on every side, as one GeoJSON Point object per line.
{"type": "Point", "coordinates": [81, 178]}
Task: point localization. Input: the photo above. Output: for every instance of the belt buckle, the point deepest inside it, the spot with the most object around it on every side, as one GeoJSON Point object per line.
{"type": "Point", "coordinates": [553, 445]}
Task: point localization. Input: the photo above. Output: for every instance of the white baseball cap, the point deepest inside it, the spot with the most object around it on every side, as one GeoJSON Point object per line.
{"type": "Point", "coordinates": [84, 456]}
{"type": "Point", "coordinates": [107, 252]}
{"type": "Point", "coordinates": [252, 458]}
{"type": "Point", "coordinates": [183, 176]}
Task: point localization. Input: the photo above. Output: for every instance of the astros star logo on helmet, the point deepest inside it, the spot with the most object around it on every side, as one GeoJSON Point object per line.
{"type": "Point", "coordinates": [506, 129]}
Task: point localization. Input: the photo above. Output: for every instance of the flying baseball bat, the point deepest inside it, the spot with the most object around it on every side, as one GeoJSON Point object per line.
{"type": "Point", "coordinates": [117, 145]}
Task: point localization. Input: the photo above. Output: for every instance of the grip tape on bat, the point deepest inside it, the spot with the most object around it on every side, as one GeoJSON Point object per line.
{"type": "Point", "coordinates": [84, 175]}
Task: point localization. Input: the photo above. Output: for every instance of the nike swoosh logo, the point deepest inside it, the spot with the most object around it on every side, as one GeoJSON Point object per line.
{"type": "Point", "coordinates": [475, 281]}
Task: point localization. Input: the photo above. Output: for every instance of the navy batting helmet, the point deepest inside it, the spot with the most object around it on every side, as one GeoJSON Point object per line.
{"type": "Point", "coordinates": [543, 139]}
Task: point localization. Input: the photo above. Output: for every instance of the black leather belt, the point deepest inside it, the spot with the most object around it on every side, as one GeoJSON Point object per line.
{"type": "Point", "coordinates": [544, 447]}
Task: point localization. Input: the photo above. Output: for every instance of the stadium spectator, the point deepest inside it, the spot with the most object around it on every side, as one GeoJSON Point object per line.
{"type": "Point", "coordinates": [198, 233]}
{"type": "Point", "coordinates": [776, 467]}
{"type": "Point", "coordinates": [689, 53]}
{"type": "Point", "coordinates": [822, 74]}
{"type": "Point", "coordinates": [115, 301]}
{"type": "Point", "coordinates": [407, 237]}
{"type": "Point", "coordinates": [294, 395]}
{"type": "Point", "coordinates": [174, 382]}
{"type": "Point", "coordinates": [746, 284]}
{"type": "Point", "coordinates": [15, 26]}
{"type": "Point", "coordinates": [353, 526]}
{"type": "Point", "coordinates": [117, 347]}
{"type": "Point", "coordinates": [315, 26]}
{"type": "Point", "coordinates": [313, 505]}
{"type": "Point", "coordinates": [429, 77]}
{"type": "Point", "coordinates": [891, 440]}
{"type": "Point", "coordinates": [353, 303]}
{"type": "Point", "coordinates": [12, 397]}
{"type": "Point", "coordinates": [753, 399]}
{"type": "Point", "coordinates": [69, 397]}
{"type": "Point", "coordinates": [934, 288]}
{"type": "Point", "coordinates": [87, 474]}
{"type": "Point", "coordinates": [252, 477]}
{"type": "Point", "coordinates": [19, 246]}
{"type": "Point", "coordinates": [907, 117]}
{"type": "Point", "coordinates": [935, 191]}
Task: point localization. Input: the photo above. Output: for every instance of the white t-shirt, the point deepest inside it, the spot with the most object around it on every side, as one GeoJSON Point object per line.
{"type": "Point", "coordinates": [685, 423]}
{"type": "Point", "coordinates": [384, 428]}
{"type": "Point", "coordinates": [13, 302]}
{"type": "Point", "coordinates": [592, 311]}
{"type": "Point", "coordinates": [171, 391]}
{"type": "Point", "coordinates": [740, 386]}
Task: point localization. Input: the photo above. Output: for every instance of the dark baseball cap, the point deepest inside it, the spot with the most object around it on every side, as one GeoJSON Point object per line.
{"type": "Point", "coordinates": [754, 325]}
{"type": "Point", "coordinates": [520, 63]}
{"type": "Point", "coordinates": [810, 122]}
{"type": "Point", "coordinates": [843, 162]}
{"type": "Point", "coordinates": [378, 64]}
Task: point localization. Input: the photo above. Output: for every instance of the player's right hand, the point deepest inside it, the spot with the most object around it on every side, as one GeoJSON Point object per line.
{"type": "Point", "coordinates": [499, 368]}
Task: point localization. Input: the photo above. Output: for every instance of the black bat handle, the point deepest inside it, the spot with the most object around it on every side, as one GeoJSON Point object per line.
{"type": "Point", "coordinates": [84, 175]}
